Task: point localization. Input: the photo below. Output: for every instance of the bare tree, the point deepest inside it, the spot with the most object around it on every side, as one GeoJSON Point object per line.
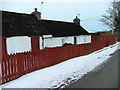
{"type": "Point", "coordinates": [112, 19]}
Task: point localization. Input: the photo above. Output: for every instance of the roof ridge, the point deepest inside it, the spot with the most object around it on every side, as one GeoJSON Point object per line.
{"type": "Point", "coordinates": [15, 12]}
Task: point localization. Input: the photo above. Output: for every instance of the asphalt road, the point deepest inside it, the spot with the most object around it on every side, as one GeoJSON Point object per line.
{"type": "Point", "coordinates": [105, 77]}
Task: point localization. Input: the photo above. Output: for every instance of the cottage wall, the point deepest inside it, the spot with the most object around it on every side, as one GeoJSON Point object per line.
{"type": "Point", "coordinates": [41, 43]}
{"type": "Point", "coordinates": [18, 44]}
{"type": "Point", "coordinates": [60, 41]}
{"type": "Point", "coordinates": [87, 39]}
{"type": "Point", "coordinates": [25, 43]}
{"type": "Point", "coordinates": [52, 42]}
{"type": "Point", "coordinates": [80, 39]}
{"type": "Point", "coordinates": [83, 39]}
{"type": "Point", "coordinates": [68, 40]}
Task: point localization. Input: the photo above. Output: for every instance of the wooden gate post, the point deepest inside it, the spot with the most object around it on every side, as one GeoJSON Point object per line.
{"type": "Point", "coordinates": [35, 44]}
{"type": "Point", "coordinates": [4, 46]}
{"type": "Point", "coordinates": [3, 51]}
{"type": "Point", "coordinates": [0, 60]}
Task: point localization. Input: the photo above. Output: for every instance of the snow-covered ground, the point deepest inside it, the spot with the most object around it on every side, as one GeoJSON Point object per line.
{"type": "Point", "coordinates": [63, 73]}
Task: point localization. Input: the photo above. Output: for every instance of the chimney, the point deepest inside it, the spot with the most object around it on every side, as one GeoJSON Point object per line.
{"type": "Point", "coordinates": [37, 14]}
{"type": "Point", "coordinates": [76, 20]}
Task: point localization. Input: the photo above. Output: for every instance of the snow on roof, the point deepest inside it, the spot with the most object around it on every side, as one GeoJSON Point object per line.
{"type": "Point", "coordinates": [90, 31]}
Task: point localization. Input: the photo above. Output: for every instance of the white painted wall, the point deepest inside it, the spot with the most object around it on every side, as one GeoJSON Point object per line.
{"type": "Point", "coordinates": [68, 40]}
{"type": "Point", "coordinates": [88, 39]}
{"type": "Point", "coordinates": [52, 42]}
{"type": "Point", "coordinates": [59, 41]}
{"type": "Point", "coordinates": [80, 39]}
{"type": "Point", "coordinates": [41, 43]}
{"type": "Point", "coordinates": [83, 39]}
{"type": "Point", "coordinates": [56, 42]}
{"type": "Point", "coordinates": [18, 44]}
{"type": "Point", "coordinates": [23, 43]}
{"type": "Point", "coordinates": [47, 36]}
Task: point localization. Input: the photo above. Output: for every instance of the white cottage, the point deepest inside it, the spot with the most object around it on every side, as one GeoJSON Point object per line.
{"type": "Point", "coordinates": [32, 34]}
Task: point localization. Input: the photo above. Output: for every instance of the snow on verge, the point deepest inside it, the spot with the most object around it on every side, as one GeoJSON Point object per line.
{"type": "Point", "coordinates": [63, 73]}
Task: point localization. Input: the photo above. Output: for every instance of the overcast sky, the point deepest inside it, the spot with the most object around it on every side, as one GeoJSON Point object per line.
{"type": "Point", "coordinates": [63, 10]}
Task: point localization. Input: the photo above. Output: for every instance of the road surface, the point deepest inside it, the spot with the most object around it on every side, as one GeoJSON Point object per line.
{"type": "Point", "coordinates": [106, 77]}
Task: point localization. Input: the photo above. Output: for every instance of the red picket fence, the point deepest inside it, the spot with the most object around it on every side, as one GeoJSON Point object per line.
{"type": "Point", "coordinates": [16, 65]}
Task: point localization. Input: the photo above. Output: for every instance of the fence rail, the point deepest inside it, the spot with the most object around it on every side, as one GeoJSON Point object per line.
{"type": "Point", "coordinates": [16, 65]}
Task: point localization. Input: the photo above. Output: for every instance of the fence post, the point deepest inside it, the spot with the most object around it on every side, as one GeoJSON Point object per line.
{"type": "Point", "coordinates": [35, 43]}
{"type": "Point", "coordinates": [4, 49]}
{"type": "Point", "coordinates": [0, 60]}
